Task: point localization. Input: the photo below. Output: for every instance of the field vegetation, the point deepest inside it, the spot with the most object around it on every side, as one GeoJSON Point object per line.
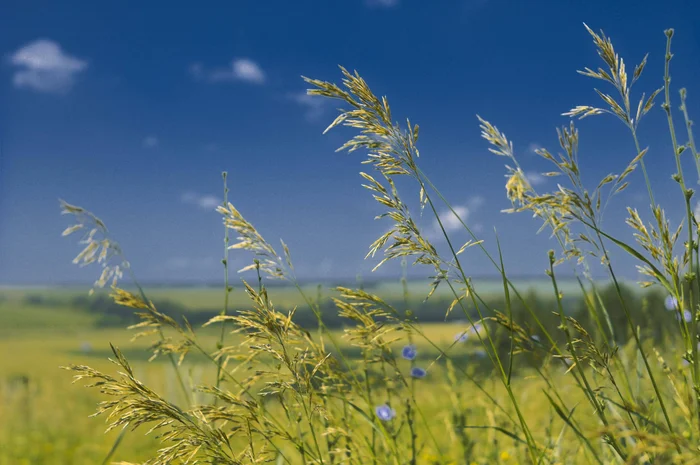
{"type": "Point", "coordinates": [457, 372]}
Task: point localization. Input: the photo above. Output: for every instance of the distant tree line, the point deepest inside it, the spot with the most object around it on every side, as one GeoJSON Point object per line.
{"type": "Point", "coordinates": [647, 308]}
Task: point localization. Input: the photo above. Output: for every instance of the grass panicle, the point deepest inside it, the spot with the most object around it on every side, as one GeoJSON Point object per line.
{"type": "Point", "coordinates": [562, 387]}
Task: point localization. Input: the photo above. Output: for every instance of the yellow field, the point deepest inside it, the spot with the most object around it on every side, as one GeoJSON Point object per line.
{"type": "Point", "coordinates": [45, 418]}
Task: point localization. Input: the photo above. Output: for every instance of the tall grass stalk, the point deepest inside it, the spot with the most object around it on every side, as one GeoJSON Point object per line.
{"type": "Point", "coordinates": [283, 394]}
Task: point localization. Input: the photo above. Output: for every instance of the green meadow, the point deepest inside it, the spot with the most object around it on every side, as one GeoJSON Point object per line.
{"type": "Point", "coordinates": [46, 418]}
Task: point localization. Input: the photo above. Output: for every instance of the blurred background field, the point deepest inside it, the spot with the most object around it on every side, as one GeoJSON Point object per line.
{"type": "Point", "coordinates": [45, 418]}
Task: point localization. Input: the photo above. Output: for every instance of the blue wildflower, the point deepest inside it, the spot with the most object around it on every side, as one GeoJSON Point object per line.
{"type": "Point", "coordinates": [461, 337]}
{"type": "Point", "coordinates": [418, 372]}
{"type": "Point", "coordinates": [409, 352]}
{"type": "Point", "coordinates": [671, 303]}
{"type": "Point", "coordinates": [385, 413]}
{"type": "Point", "coordinates": [687, 316]}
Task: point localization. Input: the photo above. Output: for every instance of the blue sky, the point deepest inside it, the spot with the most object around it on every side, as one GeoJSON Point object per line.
{"type": "Point", "coordinates": [132, 110]}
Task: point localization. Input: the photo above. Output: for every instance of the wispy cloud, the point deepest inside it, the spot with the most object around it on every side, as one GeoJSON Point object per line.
{"type": "Point", "coordinates": [535, 178]}
{"type": "Point", "coordinates": [240, 69]}
{"type": "Point", "coordinates": [203, 201]}
{"type": "Point", "coordinates": [382, 3]}
{"type": "Point", "coordinates": [533, 147]}
{"type": "Point", "coordinates": [44, 67]}
{"type": "Point", "coordinates": [452, 221]}
{"type": "Point", "coordinates": [313, 105]}
{"type": "Point", "coordinates": [150, 142]}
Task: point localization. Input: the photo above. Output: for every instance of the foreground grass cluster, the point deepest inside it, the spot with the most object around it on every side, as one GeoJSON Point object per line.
{"type": "Point", "coordinates": [282, 393]}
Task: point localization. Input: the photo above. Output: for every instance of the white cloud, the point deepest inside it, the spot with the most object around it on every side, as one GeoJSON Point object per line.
{"type": "Point", "coordinates": [205, 202]}
{"type": "Point", "coordinates": [314, 104]}
{"type": "Point", "coordinates": [44, 67]}
{"type": "Point", "coordinates": [476, 202]}
{"type": "Point", "coordinates": [533, 147]}
{"type": "Point", "coordinates": [241, 69]}
{"type": "Point", "coordinates": [535, 178]}
{"type": "Point", "coordinates": [151, 142]}
{"type": "Point", "coordinates": [382, 3]}
{"type": "Point", "coordinates": [451, 220]}
{"type": "Point", "coordinates": [696, 212]}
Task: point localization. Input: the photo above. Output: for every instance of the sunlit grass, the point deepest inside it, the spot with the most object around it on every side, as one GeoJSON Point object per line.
{"type": "Point", "coordinates": [616, 381]}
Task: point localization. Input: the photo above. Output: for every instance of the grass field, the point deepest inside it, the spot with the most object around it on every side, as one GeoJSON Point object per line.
{"type": "Point", "coordinates": [47, 417]}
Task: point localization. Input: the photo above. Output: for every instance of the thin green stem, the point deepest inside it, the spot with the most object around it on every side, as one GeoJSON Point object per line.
{"type": "Point", "coordinates": [506, 382]}
{"type": "Point", "coordinates": [161, 335]}
{"type": "Point", "coordinates": [227, 290]}
{"type": "Point", "coordinates": [691, 341]}
{"type": "Point", "coordinates": [577, 363]}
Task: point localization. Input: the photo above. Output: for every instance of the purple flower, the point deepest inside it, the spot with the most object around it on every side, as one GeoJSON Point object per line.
{"type": "Point", "coordinates": [671, 303]}
{"type": "Point", "coordinates": [385, 413]}
{"type": "Point", "coordinates": [409, 352]}
{"type": "Point", "coordinates": [461, 337]}
{"type": "Point", "coordinates": [418, 372]}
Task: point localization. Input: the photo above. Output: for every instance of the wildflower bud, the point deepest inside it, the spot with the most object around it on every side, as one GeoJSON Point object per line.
{"type": "Point", "coordinates": [689, 276]}
{"type": "Point", "coordinates": [689, 194]}
{"type": "Point", "coordinates": [551, 256]}
{"type": "Point", "coordinates": [669, 32]}
{"type": "Point", "coordinates": [676, 177]}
